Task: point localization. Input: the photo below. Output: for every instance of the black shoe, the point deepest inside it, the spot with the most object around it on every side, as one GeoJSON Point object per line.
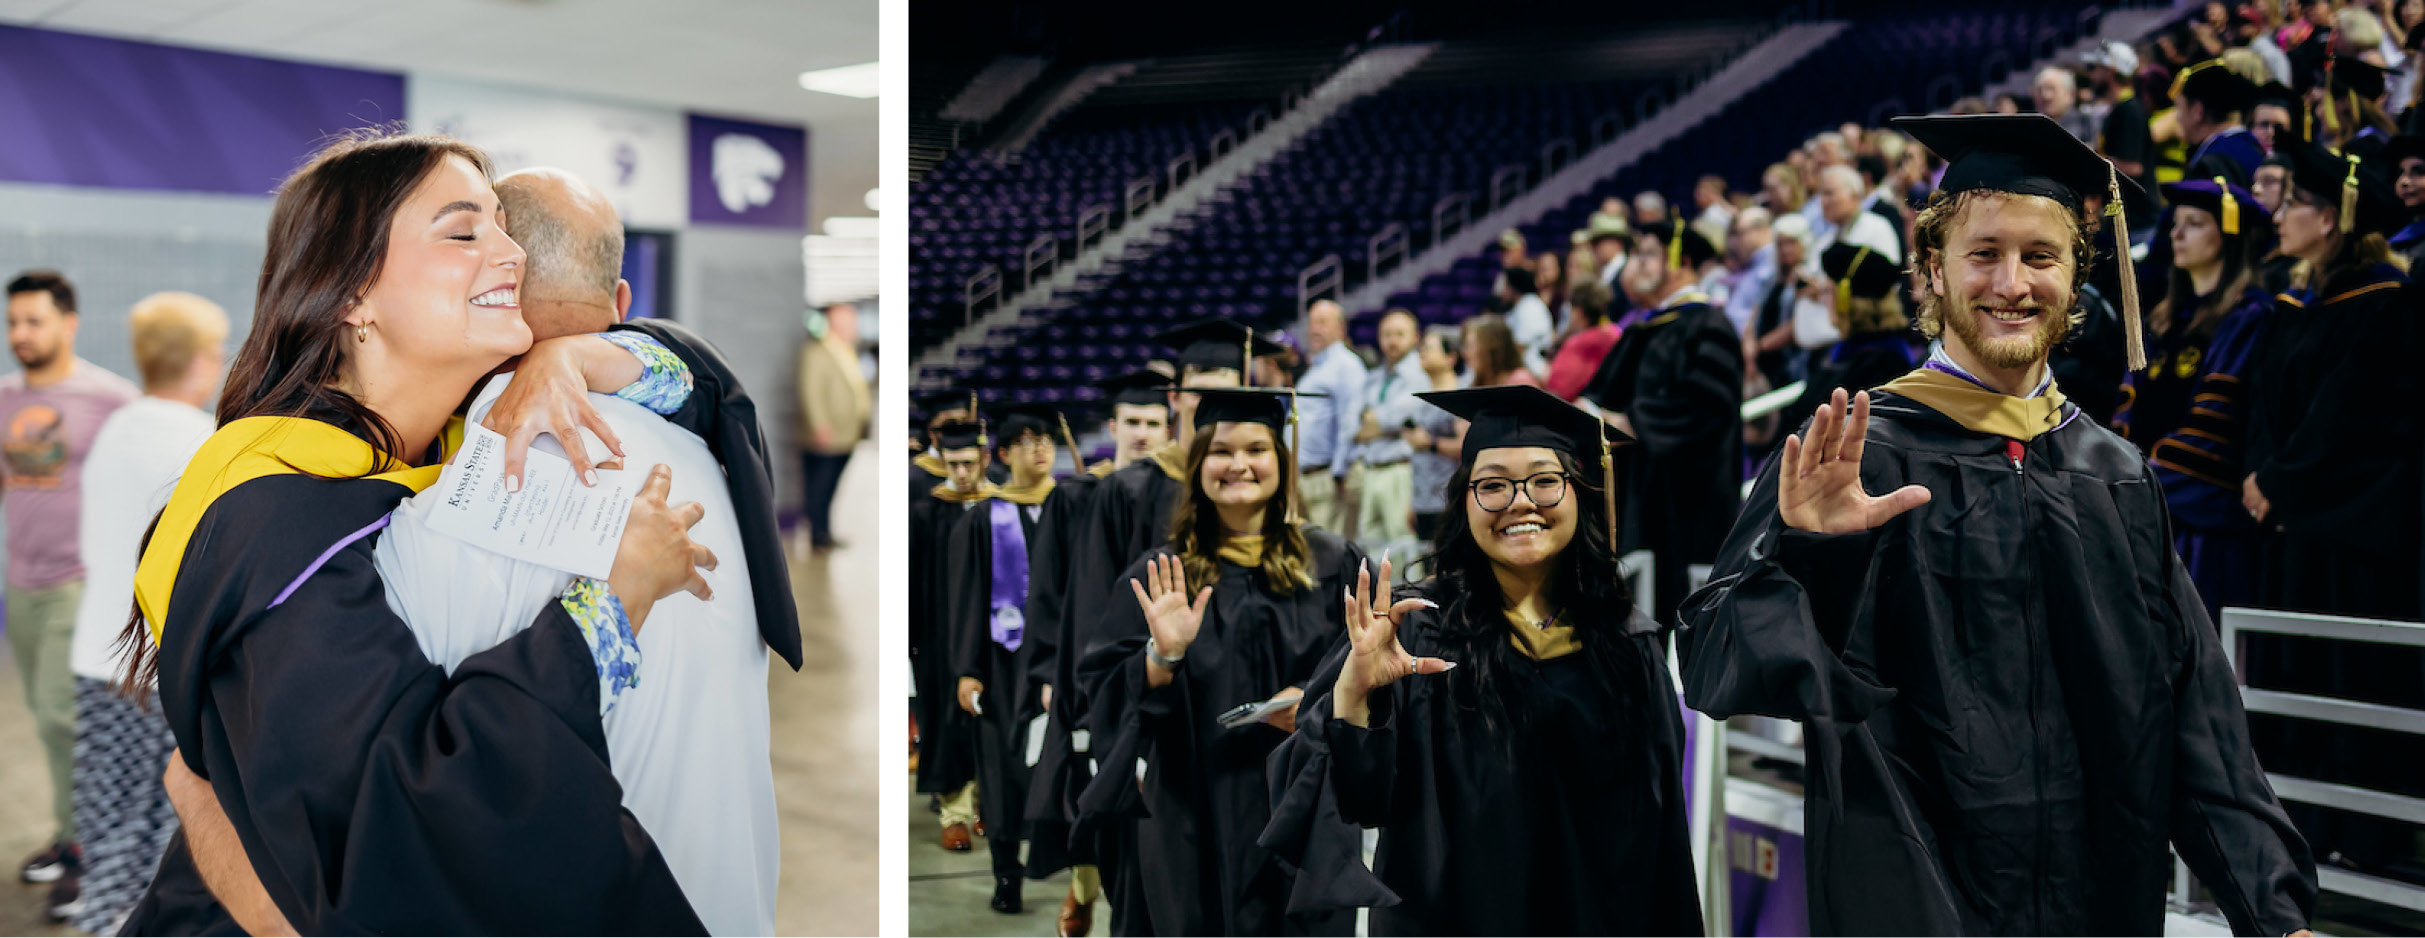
{"type": "Point", "coordinates": [1006, 896]}
{"type": "Point", "coordinates": [66, 899]}
{"type": "Point", "coordinates": [61, 860]}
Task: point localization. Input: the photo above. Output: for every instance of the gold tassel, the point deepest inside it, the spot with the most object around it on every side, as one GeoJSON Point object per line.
{"type": "Point", "coordinates": [1844, 286]}
{"type": "Point", "coordinates": [2231, 207]}
{"type": "Point", "coordinates": [1675, 239]}
{"type": "Point", "coordinates": [1076, 462]}
{"type": "Point", "coordinates": [2349, 196]}
{"type": "Point", "coordinates": [2134, 346]}
{"type": "Point", "coordinates": [1608, 484]}
{"type": "Point", "coordinates": [1296, 480]}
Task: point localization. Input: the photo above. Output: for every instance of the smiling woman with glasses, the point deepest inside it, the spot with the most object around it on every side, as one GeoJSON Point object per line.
{"type": "Point", "coordinates": [1508, 724]}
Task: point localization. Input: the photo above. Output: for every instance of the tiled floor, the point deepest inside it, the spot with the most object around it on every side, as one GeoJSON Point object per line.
{"type": "Point", "coordinates": [825, 729]}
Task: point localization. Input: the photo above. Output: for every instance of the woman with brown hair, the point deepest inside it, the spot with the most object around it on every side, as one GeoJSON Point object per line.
{"type": "Point", "coordinates": [331, 776]}
{"type": "Point", "coordinates": [1200, 678]}
{"type": "Point", "coordinates": [1492, 355]}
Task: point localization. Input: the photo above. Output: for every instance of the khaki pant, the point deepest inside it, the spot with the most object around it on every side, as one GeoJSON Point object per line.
{"type": "Point", "coordinates": [1385, 508]}
{"type": "Point", "coordinates": [1351, 487]}
{"type": "Point", "coordinates": [1085, 883]}
{"type": "Point", "coordinates": [41, 628]}
{"type": "Point", "coordinates": [960, 807]}
{"type": "Point", "coordinates": [1320, 492]}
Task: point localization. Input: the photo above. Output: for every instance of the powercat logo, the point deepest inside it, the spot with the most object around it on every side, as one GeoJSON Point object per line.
{"type": "Point", "coordinates": [747, 173]}
{"type": "Point", "coordinates": [746, 170]}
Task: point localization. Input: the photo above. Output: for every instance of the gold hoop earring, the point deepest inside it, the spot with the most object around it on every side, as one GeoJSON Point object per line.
{"type": "Point", "coordinates": [362, 334]}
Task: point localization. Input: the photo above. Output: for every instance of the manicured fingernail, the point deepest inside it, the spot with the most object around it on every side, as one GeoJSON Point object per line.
{"type": "Point", "coordinates": [513, 484]}
{"type": "Point", "coordinates": [590, 476]}
{"type": "Point", "coordinates": [1451, 667]}
{"type": "Point", "coordinates": [1428, 604]}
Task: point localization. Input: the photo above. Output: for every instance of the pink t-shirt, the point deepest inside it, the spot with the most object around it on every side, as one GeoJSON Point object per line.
{"type": "Point", "coordinates": [44, 434]}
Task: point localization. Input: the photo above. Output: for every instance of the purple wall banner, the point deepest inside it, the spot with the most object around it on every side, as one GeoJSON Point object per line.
{"type": "Point", "coordinates": [745, 173]}
{"type": "Point", "coordinates": [91, 111]}
{"type": "Point", "coordinates": [1766, 885]}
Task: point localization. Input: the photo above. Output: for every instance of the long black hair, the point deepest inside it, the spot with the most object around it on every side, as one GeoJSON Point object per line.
{"type": "Point", "coordinates": [1473, 630]}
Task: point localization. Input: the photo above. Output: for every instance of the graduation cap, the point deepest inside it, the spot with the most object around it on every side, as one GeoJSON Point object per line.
{"type": "Point", "coordinates": [2356, 75]}
{"type": "Point", "coordinates": [2216, 86]}
{"type": "Point", "coordinates": [1685, 247]}
{"type": "Point", "coordinates": [1858, 271]}
{"type": "Point", "coordinates": [1271, 407]}
{"type": "Point", "coordinates": [2361, 188]}
{"type": "Point", "coordinates": [939, 402]}
{"type": "Point", "coordinates": [1520, 415]}
{"type": "Point", "coordinates": [2235, 208]}
{"type": "Point", "coordinates": [1143, 387]}
{"type": "Point", "coordinates": [2402, 147]}
{"type": "Point", "coordinates": [960, 434]}
{"type": "Point", "coordinates": [1217, 343]}
{"type": "Point", "coordinates": [2030, 154]}
{"type": "Point", "coordinates": [2279, 95]}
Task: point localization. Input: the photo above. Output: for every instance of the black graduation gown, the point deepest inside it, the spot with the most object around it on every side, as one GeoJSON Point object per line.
{"type": "Point", "coordinates": [1204, 800]}
{"type": "Point", "coordinates": [373, 792]}
{"type": "Point", "coordinates": [2090, 364]}
{"type": "Point", "coordinates": [1564, 817]}
{"type": "Point", "coordinates": [1060, 772]}
{"type": "Point", "coordinates": [2337, 448]}
{"type": "Point", "coordinates": [947, 757]}
{"type": "Point", "coordinates": [2012, 696]}
{"type": "Point", "coordinates": [1010, 700]}
{"type": "Point", "coordinates": [1678, 376]}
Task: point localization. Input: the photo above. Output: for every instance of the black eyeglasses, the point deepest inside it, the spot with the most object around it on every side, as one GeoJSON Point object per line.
{"type": "Point", "coordinates": [1496, 493]}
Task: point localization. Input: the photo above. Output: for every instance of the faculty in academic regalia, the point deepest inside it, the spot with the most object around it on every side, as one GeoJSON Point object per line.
{"type": "Point", "coordinates": [1235, 612]}
{"type": "Point", "coordinates": [2014, 705]}
{"type": "Point", "coordinates": [1877, 336]}
{"type": "Point", "coordinates": [2188, 409]}
{"type": "Point", "coordinates": [393, 798]}
{"type": "Point", "coordinates": [947, 765]}
{"type": "Point", "coordinates": [1537, 788]}
{"type": "Point", "coordinates": [1130, 514]}
{"type": "Point", "coordinates": [1675, 382]}
{"type": "Point", "coordinates": [984, 621]}
{"type": "Point", "coordinates": [1139, 424]}
{"type": "Point", "coordinates": [2336, 468]}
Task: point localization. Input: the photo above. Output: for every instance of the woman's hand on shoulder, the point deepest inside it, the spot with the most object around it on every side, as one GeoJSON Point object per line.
{"type": "Point", "coordinates": [550, 394]}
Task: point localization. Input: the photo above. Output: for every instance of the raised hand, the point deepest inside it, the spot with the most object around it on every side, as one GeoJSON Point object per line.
{"type": "Point", "coordinates": [1168, 615]}
{"type": "Point", "coordinates": [1377, 659]}
{"type": "Point", "coordinates": [1819, 480]}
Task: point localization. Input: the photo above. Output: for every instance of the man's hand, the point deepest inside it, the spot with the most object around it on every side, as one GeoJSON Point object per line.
{"type": "Point", "coordinates": [1819, 479]}
{"type": "Point", "coordinates": [550, 394]}
{"type": "Point", "coordinates": [1048, 698]}
{"type": "Point", "coordinates": [1370, 430]}
{"type": "Point", "coordinates": [1415, 437]}
{"type": "Point", "coordinates": [218, 855]}
{"type": "Point", "coordinates": [821, 437]}
{"type": "Point", "coordinates": [969, 689]}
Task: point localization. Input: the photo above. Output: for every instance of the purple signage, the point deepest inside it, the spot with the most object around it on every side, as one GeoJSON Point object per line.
{"type": "Point", "coordinates": [744, 173]}
{"type": "Point", "coordinates": [1765, 884]}
{"type": "Point", "coordinates": [90, 111]}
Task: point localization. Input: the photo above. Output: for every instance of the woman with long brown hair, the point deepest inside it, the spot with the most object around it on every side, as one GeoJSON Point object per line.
{"type": "Point", "coordinates": [1200, 676]}
{"type": "Point", "coordinates": [1492, 355]}
{"type": "Point", "coordinates": [352, 785]}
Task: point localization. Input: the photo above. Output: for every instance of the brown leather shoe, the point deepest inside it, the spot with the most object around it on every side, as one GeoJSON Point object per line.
{"type": "Point", "coordinates": [1076, 920]}
{"type": "Point", "coordinates": [956, 840]}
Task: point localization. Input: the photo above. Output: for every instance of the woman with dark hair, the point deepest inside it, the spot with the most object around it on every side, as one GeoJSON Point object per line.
{"type": "Point", "coordinates": [1492, 355]}
{"type": "Point", "coordinates": [1200, 677]}
{"type": "Point", "coordinates": [1537, 788]}
{"type": "Point", "coordinates": [2187, 410]}
{"type": "Point", "coordinates": [352, 785]}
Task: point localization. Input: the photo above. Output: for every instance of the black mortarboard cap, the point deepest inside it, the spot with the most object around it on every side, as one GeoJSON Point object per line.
{"type": "Point", "coordinates": [2280, 95]}
{"type": "Point", "coordinates": [2024, 154]}
{"type": "Point", "coordinates": [1215, 343]}
{"type": "Point", "coordinates": [1266, 406]}
{"type": "Point", "coordinates": [2220, 89]}
{"type": "Point", "coordinates": [1012, 421]}
{"type": "Point", "coordinates": [1684, 246]}
{"type": "Point", "coordinates": [1859, 271]}
{"type": "Point", "coordinates": [1521, 415]}
{"type": "Point", "coordinates": [2361, 189]}
{"type": "Point", "coordinates": [959, 434]}
{"type": "Point", "coordinates": [2237, 209]}
{"type": "Point", "coordinates": [1142, 386]}
{"type": "Point", "coordinates": [2359, 75]}
{"type": "Point", "coordinates": [935, 402]}
{"type": "Point", "coordinates": [2402, 147]}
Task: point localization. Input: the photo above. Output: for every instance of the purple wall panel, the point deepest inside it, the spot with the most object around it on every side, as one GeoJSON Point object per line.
{"type": "Point", "coordinates": [91, 111]}
{"type": "Point", "coordinates": [747, 173]}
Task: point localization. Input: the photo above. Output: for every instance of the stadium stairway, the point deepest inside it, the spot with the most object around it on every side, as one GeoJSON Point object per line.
{"type": "Point", "coordinates": [1368, 73]}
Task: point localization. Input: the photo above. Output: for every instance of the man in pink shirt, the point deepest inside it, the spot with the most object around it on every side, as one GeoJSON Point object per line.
{"type": "Point", "coordinates": [49, 413]}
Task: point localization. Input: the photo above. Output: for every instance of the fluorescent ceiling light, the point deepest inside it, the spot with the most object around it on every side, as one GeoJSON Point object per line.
{"type": "Point", "coordinates": [850, 226]}
{"type": "Point", "coordinates": [851, 81]}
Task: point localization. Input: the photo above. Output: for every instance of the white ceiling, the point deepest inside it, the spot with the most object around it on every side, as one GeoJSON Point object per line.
{"type": "Point", "coordinates": [735, 57]}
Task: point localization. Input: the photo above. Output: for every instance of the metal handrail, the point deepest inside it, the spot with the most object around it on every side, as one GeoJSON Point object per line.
{"type": "Point", "coordinates": [1878, 113]}
{"type": "Point", "coordinates": [1505, 184]}
{"type": "Point", "coordinates": [986, 282]}
{"type": "Point", "coordinates": [1256, 120]}
{"type": "Point", "coordinates": [1391, 241]}
{"type": "Point", "coordinates": [1556, 155]}
{"type": "Point", "coordinates": [1606, 127]}
{"type": "Point", "coordinates": [1322, 278]}
{"type": "Point", "coordinates": [1181, 169]}
{"type": "Point", "coordinates": [1460, 204]}
{"type": "Point", "coordinates": [1221, 143]}
{"type": "Point", "coordinates": [1648, 104]}
{"type": "Point", "coordinates": [1093, 222]}
{"type": "Point", "coordinates": [1139, 194]}
{"type": "Point", "coordinates": [1950, 88]}
{"type": "Point", "coordinates": [1043, 253]}
{"type": "Point", "coordinates": [1994, 67]}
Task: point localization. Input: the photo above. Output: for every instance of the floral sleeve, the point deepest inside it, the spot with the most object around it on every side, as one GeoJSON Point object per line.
{"type": "Point", "coordinates": [666, 383]}
{"type": "Point", "coordinates": [609, 633]}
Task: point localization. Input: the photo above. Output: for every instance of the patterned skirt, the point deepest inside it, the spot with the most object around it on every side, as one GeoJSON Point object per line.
{"type": "Point", "coordinates": [122, 812]}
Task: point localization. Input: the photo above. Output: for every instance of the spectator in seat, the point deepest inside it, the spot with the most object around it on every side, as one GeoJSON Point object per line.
{"type": "Point", "coordinates": [1580, 357]}
{"type": "Point", "coordinates": [1751, 259]}
{"type": "Point", "coordinates": [1650, 208]}
{"type": "Point", "coordinates": [1529, 318]}
{"type": "Point", "coordinates": [1715, 212]}
{"type": "Point", "coordinates": [1840, 195]}
{"type": "Point", "coordinates": [1609, 237]}
{"type": "Point", "coordinates": [1491, 355]}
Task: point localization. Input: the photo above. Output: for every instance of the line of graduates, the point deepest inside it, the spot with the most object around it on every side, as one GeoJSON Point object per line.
{"type": "Point", "coordinates": [2014, 701]}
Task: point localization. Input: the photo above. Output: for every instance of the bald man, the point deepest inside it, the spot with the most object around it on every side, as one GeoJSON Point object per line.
{"type": "Point", "coordinates": [1327, 425]}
